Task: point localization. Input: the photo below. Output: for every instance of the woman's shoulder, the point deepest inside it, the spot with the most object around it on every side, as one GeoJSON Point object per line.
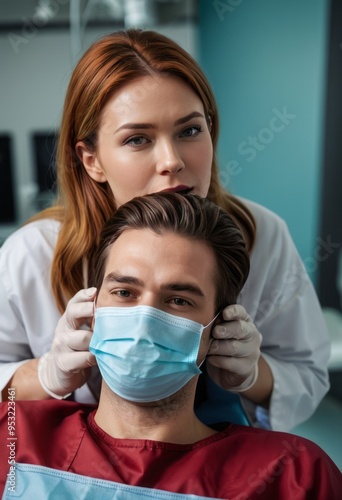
{"type": "Point", "coordinates": [264, 216]}
{"type": "Point", "coordinates": [32, 233]}
{"type": "Point", "coordinates": [33, 242]}
{"type": "Point", "coordinates": [273, 240]}
{"type": "Point", "coordinates": [271, 229]}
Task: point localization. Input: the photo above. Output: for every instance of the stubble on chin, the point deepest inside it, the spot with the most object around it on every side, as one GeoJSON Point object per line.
{"type": "Point", "coordinates": [154, 411]}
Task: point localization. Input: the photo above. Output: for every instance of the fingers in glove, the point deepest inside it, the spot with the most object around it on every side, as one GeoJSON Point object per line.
{"type": "Point", "coordinates": [240, 330]}
{"type": "Point", "coordinates": [80, 309]}
{"type": "Point", "coordinates": [235, 348]}
{"type": "Point", "coordinates": [78, 340]}
{"type": "Point", "coordinates": [73, 362]}
{"type": "Point", "coordinates": [240, 366]}
{"type": "Point", "coordinates": [235, 312]}
{"type": "Point", "coordinates": [74, 340]}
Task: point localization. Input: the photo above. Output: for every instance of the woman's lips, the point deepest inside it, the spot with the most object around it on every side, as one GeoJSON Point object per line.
{"type": "Point", "coordinates": [178, 189]}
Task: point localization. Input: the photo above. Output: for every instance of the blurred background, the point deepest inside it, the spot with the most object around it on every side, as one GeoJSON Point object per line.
{"type": "Point", "coordinates": [276, 71]}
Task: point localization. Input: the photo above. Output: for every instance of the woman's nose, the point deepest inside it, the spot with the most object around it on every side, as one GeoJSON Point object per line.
{"type": "Point", "coordinates": [169, 160]}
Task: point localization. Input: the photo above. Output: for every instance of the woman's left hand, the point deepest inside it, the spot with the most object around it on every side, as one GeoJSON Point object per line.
{"type": "Point", "coordinates": [232, 360]}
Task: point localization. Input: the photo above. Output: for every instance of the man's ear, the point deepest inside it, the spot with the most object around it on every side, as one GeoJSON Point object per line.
{"type": "Point", "coordinates": [90, 162]}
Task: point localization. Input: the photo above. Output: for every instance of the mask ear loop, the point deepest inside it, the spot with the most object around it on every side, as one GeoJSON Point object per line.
{"type": "Point", "coordinates": [210, 323]}
{"type": "Point", "coordinates": [94, 309]}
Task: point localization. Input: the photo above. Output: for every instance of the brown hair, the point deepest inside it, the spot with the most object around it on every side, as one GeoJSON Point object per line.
{"type": "Point", "coordinates": [191, 216]}
{"type": "Point", "coordinates": [83, 204]}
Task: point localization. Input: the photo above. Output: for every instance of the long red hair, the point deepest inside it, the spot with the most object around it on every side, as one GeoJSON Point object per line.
{"type": "Point", "coordinates": [83, 205]}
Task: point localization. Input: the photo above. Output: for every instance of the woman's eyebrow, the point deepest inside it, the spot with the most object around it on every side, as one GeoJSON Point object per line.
{"type": "Point", "coordinates": [183, 119]}
{"type": "Point", "coordinates": [131, 126]}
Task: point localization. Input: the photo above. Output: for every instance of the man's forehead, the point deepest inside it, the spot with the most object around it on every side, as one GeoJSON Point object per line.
{"type": "Point", "coordinates": [173, 258]}
{"type": "Point", "coordinates": [167, 243]}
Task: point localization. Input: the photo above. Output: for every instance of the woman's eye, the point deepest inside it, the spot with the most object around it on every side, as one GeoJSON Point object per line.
{"type": "Point", "coordinates": [191, 131]}
{"type": "Point", "coordinates": [136, 141]}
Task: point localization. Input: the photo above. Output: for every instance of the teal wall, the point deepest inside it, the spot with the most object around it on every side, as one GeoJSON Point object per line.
{"type": "Point", "coordinates": [266, 61]}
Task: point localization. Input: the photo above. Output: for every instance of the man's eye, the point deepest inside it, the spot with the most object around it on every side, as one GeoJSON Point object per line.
{"type": "Point", "coordinates": [123, 293]}
{"type": "Point", "coordinates": [191, 131]}
{"type": "Point", "coordinates": [180, 302]}
{"type": "Point", "coordinates": [138, 140]}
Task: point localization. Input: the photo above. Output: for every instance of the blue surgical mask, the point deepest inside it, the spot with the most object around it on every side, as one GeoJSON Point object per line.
{"type": "Point", "coordinates": [145, 354]}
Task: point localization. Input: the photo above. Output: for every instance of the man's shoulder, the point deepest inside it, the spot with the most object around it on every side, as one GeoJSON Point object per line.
{"type": "Point", "coordinates": [50, 411]}
{"type": "Point", "coordinates": [46, 433]}
{"type": "Point", "coordinates": [281, 445]}
{"type": "Point", "coordinates": [37, 421]}
{"type": "Point", "coordinates": [270, 462]}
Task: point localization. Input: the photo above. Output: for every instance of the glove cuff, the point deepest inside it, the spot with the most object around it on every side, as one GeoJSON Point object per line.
{"type": "Point", "coordinates": [243, 387]}
{"type": "Point", "coordinates": [41, 362]}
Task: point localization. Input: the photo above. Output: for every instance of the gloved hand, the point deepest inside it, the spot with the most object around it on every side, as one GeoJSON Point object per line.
{"type": "Point", "coordinates": [232, 361]}
{"type": "Point", "coordinates": [66, 366]}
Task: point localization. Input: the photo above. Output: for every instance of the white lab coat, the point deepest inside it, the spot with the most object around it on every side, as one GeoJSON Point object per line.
{"type": "Point", "coordinates": [278, 295]}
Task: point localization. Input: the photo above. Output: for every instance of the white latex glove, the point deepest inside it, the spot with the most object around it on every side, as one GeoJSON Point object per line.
{"type": "Point", "coordinates": [66, 366]}
{"type": "Point", "coordinates": [232, 361]}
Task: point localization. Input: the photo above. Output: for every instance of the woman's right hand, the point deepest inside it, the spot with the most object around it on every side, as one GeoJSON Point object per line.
{"type": "Point", "coordinates": [66, 366]}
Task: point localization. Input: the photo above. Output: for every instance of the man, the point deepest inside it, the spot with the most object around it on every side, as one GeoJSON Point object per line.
{"type": "Point", "coordinates": [166, 266]}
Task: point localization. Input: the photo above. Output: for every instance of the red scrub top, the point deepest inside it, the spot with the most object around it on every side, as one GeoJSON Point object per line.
{"type": "Point", "coordinates": [238, 463]}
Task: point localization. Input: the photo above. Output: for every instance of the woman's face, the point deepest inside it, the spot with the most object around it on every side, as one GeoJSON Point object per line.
{"type": "Point", "coordinates": [153, 136]}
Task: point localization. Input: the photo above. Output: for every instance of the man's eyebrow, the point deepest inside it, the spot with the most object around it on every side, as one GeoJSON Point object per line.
{"type": "Point", "coordinates": [120, 278]}
{"type": "Point", "coordinates": [184, 287]}
{"type": "Point", "coordinates": [175, 287]}
{"type": "Point", "coordinates": [183, 119]}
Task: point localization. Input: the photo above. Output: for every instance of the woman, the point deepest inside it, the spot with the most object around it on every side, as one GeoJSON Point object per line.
{"type": "Point", "coordinates": [140, 117]}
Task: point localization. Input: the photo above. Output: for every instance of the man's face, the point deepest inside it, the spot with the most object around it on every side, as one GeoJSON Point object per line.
{"type": "Point", "coordinates": [169, 272]}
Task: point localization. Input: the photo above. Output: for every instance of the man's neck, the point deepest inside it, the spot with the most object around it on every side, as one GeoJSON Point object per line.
{"type": "Point", "coordinates": [172, 420]}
